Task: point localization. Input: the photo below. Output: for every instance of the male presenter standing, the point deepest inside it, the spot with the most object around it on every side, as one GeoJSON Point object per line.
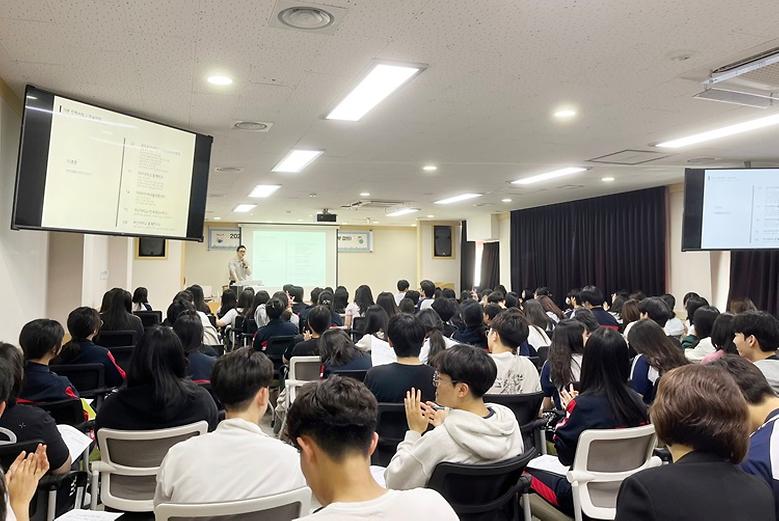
{"type": "Point", "coordinates": [238, 267]}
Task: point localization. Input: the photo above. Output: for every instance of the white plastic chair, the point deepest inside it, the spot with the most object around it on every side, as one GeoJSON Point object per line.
{"type": "Point", "coordinates": [604, 458]}
{"type": "Point", "coordinates": [129, 464]}
{"type": "Point", "coordinates": [302, 370]}
{"type": "Point", "coordinates": [278, 507]}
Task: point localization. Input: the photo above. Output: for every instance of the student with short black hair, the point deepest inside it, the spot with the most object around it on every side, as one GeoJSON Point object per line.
{"type": "Point", "coordinates": [406, 305]}
{"type": "Point", "coordinates": [21, 422]}
{"type": "Point", "coordinates": [592, 299]}
{"type": "Point", "coordinates": [414, 295]}
{"type": "Point", "coordinates": [469, 432]}
{"type": "Point", "coordinates": [490, 312]}
{"type": "Point", "coordinates": [403, 286]}
{"type": "Point", "coordinates": [158, 394]}
{"type": "Point", "coordinates": [296, 294]}
{"type": "Point", "coordinates": [757, 339]}
{"type": "Point", "coordinates": [657, 354]}
{"type": "Point", "coordinates": [189, 329]}
{"type": "Point", "coordinates": [338, 353]}
{"type": "Point", "coordinates": [41, 342]}
{"type": "Point", "coordinates": [473, 333]}
{"type": "Point", "coordinates": [333, 425]}
{"type": "Point", "coordinates": [318, 322]}
{"type": "Point", "coordinates": [763, 407]}
{"type": "Point", "coordinates": [704, 322]}
{"type": "Point", "coordinates": [512, 300]}
{"type": "Point", "coordinates": [722, 336]}
{"type": "Point", "coordinates": [276, 325]}
{"type": "Point", "coordinates": [140, 299]}
{"type": "Point", "coordinates": [248, 463]}
{"type": "Point", "coordinates": [390, 382]}
{"type": "Point", "coordinates": [428, 290]}
{"type": "Point", "coordinates": [654, 308]}
{"type": "Point", "coordinates": [691, 304]}
{"type": "Point", "coordinates": [701, 416]}
{"type": "Point", "coordinates": [674, 327]}
{"type": "Point", "coordinates": [83, 326]}
{"type": "Point", "coordinates": [516, 374]}
{"type": "Point", "coordinates": [496, 297]}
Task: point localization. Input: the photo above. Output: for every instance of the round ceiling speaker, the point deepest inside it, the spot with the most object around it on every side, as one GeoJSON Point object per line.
{"type": "Point", "coordinates": [306, 18]}
{"type": "Point", "coordinates": [255, 126]}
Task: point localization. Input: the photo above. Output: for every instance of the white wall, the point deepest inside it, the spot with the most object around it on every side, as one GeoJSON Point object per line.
{"type": "Point", "coordinates": [162, 277]}
{"type": "Point", "coordinates": [95, 268]}
{"type": "Point", "coordinates": [23, 254]}
{"type": "Point", "coordinates": [440, 270]}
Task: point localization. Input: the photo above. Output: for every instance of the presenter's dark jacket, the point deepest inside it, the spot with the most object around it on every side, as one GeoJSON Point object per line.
{"type": "Point", "coordinates": [42, 385]}
{"type": "Point", "coordinates": [698, 486]}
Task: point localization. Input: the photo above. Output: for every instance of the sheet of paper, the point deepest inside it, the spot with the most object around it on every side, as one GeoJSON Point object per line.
{"type": "Point", "coordinates": [76, 441]}
{"type": "Point", "coordinates": [88, 515]}
{"type": "Point", "coordinates": [548, 463]}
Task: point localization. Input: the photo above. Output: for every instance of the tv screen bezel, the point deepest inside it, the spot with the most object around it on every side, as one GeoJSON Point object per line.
{"type": "Point", "coordinates": [198, 188]}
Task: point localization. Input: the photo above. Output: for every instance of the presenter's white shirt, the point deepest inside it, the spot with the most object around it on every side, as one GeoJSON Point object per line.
{"type": "Point", "coordinates": [395, 505]}
{"type": "Point", "coordinates": [236, 461]}
{"type": "Point", "coordinates": [239, 270]}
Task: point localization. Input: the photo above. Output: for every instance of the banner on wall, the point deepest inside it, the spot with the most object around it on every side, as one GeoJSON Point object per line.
{"type": "Point", "coordinates": [355, 242]}
{"type": "Point", "coordinates": [224, 238]}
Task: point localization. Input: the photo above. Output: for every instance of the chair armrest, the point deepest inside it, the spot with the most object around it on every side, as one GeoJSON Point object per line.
{"type": "Point", "coordinates": [533, 425]}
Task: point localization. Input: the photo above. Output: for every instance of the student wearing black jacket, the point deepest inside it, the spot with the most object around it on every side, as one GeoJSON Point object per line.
{"type": "Point", "coordinates": [276, 326]}
{"type": "Point", "coordinates": [41, 342]}
{"type": "Point", "coordinates": [473, 333]}
{"type": "Point", "coordinates": [702, 417]}
{"type": "Point", "coordinates": [83, 325]}
{"type": "Point", "coordinates": [604, 402]}
{"type": "Point", "coordinates": [189, 329]}
{"type": "Point", "coordinates": [158, 394]}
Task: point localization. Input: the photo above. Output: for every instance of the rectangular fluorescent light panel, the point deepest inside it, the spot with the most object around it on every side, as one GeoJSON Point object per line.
{"type": "Point", "coordinates": [382, 81]}
{"type": "Point", "coordinates": [458, 198]}
{"type": "Point", "coordinates": [402, 211]}
{"type": "Point", "coordinates": [549, 175]}
{"type": "Point", "coordinates": [296, 160]}
{"type": "Point", "coordinates": [264, 190]}
{"type": "Point", "coordinates": [244, 208]}
{"type": "Point", "coordinates": [730, 130]}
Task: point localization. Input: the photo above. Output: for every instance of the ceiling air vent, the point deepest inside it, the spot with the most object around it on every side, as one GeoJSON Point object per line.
{"type": "Point", "coordinates": [374, 203]}
{"type": "Point", "coordinates": [751, 82]}
{"type": "Point", "coordinates": [253, 126]}
{"type": "Point", "coordinates": [306, 16]}
{"type": "Point", "coordinates": [629, 157]}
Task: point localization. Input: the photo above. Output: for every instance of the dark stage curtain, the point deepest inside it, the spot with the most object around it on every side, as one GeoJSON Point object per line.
{"type": "Point", "coordinates": [467, 259]}
{"type": "Point", "coordinates": [490, 265]}
{"type": "Point", "coordinates": [614, 242]}
{"type": "Point", "coordinates": [755, 274]}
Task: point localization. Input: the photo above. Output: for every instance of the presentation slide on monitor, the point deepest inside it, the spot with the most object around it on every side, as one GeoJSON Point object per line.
{"type": "Point", "coordinates": [740, 209]}
{"type": "Point", "coordinates": [111, 172]}
{"type": "Point", "coordinates": [300, 255]}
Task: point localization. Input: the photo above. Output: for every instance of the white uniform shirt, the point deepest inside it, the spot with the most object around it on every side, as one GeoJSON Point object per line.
{"type": "Point", "coordinates": [239, 270]}
{"type": "Point", "coordinates": [395, 505]}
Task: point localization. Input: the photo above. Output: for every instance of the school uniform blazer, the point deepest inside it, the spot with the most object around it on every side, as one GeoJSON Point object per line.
{"type": "Point", "coordinates": [698, 486]}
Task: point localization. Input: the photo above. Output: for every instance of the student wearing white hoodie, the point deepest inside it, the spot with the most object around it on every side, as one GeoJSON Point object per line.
{"type": "Point", "coordinates": [516, 374]}
{"type": "Point", "coordinates": [470, 432]}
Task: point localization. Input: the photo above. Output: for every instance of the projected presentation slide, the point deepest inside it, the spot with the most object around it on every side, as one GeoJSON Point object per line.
{"type": "Point", "coordinates": [740, 209]}
{"type": "Point", "coordinates": [130, 175]}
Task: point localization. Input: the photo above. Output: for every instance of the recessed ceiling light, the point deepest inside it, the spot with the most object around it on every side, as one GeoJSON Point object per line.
{"type": "Point", "coordinates": [549, 175]}
{"type": "Point", "coordinates": [430, 216]}
{"type": "Point", "coordinates": [297, 160]}
{"type": "Point", "coordinates": [607, 179]}
{"type": "Point", "coordinates": [382, 81]}
{"type": "Point", "coordinates": [244, 208]}
{"type": "Point", "coordinates": [458, 198]}
{"type": "Point", "coordinates": [564, 113]}
{"type": "Point", "coordinates": [429, 168]}
{"type": "Point", "coordinates": [217, 218]}
{"type": "Point", "coordinates": [220, 80]}
{"type": "Point", "coordinates": [365, 194]}
{"type": "Point", "coordinates": [402, 211]}
{"type": "Point", "coordinates": [306, 18]}
{"type": "Point", "coordinates": [264, 190]}
{"type": "Point", "coordinates": [300, 220]}
{"type": "Point", "coordinates": [252, 126]}
{"type": "Point", "coordinates": [729, 130]}
{"type": "Point", "coordinates": [506, 200]}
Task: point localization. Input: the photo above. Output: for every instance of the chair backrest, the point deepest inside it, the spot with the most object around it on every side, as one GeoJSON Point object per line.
{"type": "Point", "coordinates": [249, 326]}
{"type": "Point", "coordinates": [391, 426]}
{"type": "Point", "coordinates": [525, 407]}
{"type": "Point", "coordinates": [130, 460]}
{"type": "Point", "coordinates": [277, 346]}
{"type": "Point", "coordinates": [278, 507]}
{"type": "Point", "coordinates": [358, 324]}
{"type": "Point", "coordinates": [357, 374]}
{"type": "Point", "coordinates": [604, 458]}
{"type": "Point", "coordinates": [122, 355]}
{"type": "Point", "coordinates": [212, 319]}
{"type": "Point", "coordinates": [149, 318]}
{"type": "Point", "coordinates": [9, 451]}
{"type": "Point", "coordinates": [305, 368]}
{"type": "Point", "coordinates": [117, 338]}
{"type": "Point", "coordinates": [84, 377]}
{"type": "Point", "coordinates": [484, 491]}
{"type": "Point", "coordinates": [68, 412]}
{"type": "Point", "coordinates": [239, 319]}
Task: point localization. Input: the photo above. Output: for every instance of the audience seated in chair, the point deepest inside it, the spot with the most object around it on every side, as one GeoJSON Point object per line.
{"type": "Point", "coordinates": [435, 340]}
{"type": "Point", "coordinates": [722, 336]}
{"type": "Point", "coordinates": [592, 299]}
{"type": "Point", "coordinates": [473, 332]}
{"type": "Point", "coordinates": [407, 305]}
{"type": "Point", "coordinates": [604, 402]}
{"type": "Point", "coordinates": [701, 416]}
{"type": "Point", "coordinates": [238, 460]}
{"type": "Point", "coordinates": [564, 361]}
{"type": "Point", "coordinates": [374, 330]}
{"type": "Point", "coordinates": [427, 290]}
{"type": "Point", "coordinates": [692, 301]}
{"type": "Point", "coordinates": [757, 339]}
{"type": "Point", "coordinates": [516, 374]}
{"type": "Point", "coordinates": [540, 327]}
{"type": "Point", "coordinates": [276, 326]}
{"type": "Point", "coordinates": [83, 326]}
{"type": "Point", "coordinates": [333, 425]}
{"type": "Point", "coordinates": [467, 432]}
{"type": "Point", "coordinates": [116, 312]}
{"type": "Point", "coordinates": [363, 299]}
{"type": "Point", "coordinates": [20, 422]}
{"type": "Point", "coordinates": [189, 329]}
{"type": "Point", "coordinates": [242, 308]}
{"type": "Point", "coordinates": [338, 353]}
{"type": "Point", "coordinates": [386, 300]}
{"type": "Point", "coordinates": [317, 322]}
{"type": "Point", "coordinates": [41, 342]}
{"type": "Point", "coordinates": [140, 300]}
{"type": "Point", "coordinates": [703, 320]}
{"type": "Point", "coordinates": [158, 394]}
{"type": "Point", "coordinates": [673, 327]}
{"type": "Point", "coordinates": [389, 383]}
{"type": "Point", "coordinates": [657, 354]}
{"type": "Point", "coordinates": [402, 286]}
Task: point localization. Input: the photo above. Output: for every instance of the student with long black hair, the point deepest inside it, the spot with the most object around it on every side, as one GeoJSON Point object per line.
{"type": "Point", "coordinates": [158, 394]}
{"type": "Point", "coordinates": [363, 299]}
{"type": "Point", "coordinates": [338, 353]}
{"type": "Point", "coordinates": [386, 300]}
{"type": "Point", "coordinates": [657, 354]}
{"type": "Point", "coordinates": [116, 312]}
{"type": "Point", "coordinates": [141, 299]}
{"type": "Point", "coordinates": [243, 307]}
{"type": "Point", "coordinates": [198, 299]}
{"type": "Point", "coordinates": [604, 402]}
{"type": "Point", "coordinates": [473, 333]}
{"type": "Point", "coordinates": [189, 329]}
{"type": "Point", "coordinates": [564, 361]}
{"type": "Point", "coordinates": [723, 333]}
{"type": "Point", "coordinates": [435, 341]}
{"type": "Point", "coordinates": [229, 301]}
{"type": "Point", "coordinates": [375, 330]}
{"type": "Point", "coordinates": [340, 299]}
{"type": "Point", "coordinates": [258, 307]}
{"type": "Point", "coordinates": [83, 326]}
